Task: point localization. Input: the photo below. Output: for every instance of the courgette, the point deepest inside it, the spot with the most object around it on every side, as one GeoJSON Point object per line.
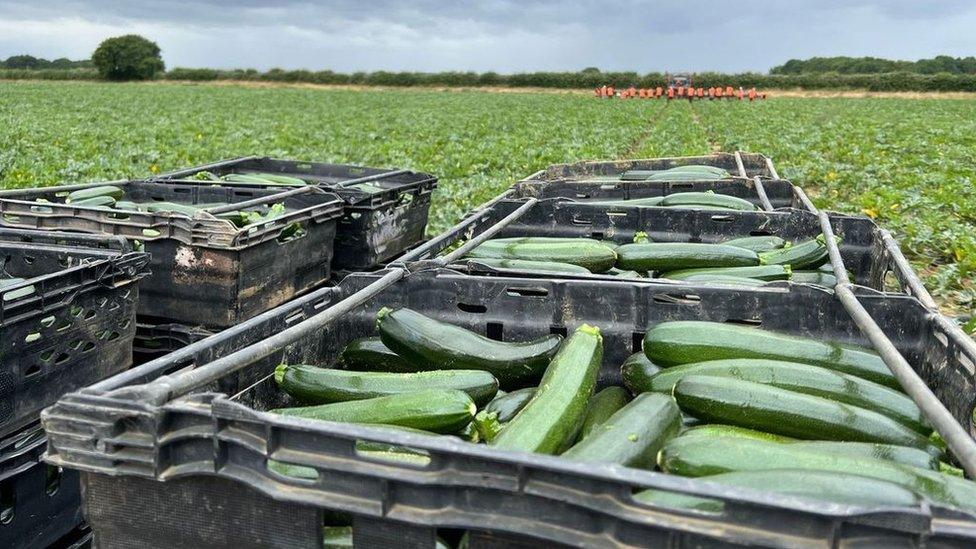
{"type": "Point", "coordinates": [703, 456]}
{"type": "Point", "coordinates": [721, 430]}
{"type": "Point", "coordinates": [591, 254]}
{"type": "Point", "coordinates": [172, 207]}
{"type": "Point", "coordinates": [888, 452]}
{"type": "Point", "coordinates": [757, 243]}
{"type": "Point", "coordinates": [93, 192]}
{"type": "Point", "coordinates": [368, 354]}
{"type": "Point", "coordinates": [555, 412]}
{"type": "Point", "coordinates": [246, 178]}
{"type": "Point", "coordinates": [633, 435]}
{"type": "Point", "coordinates": [707, 199]}
{"type": "Point", "coordinates": [686, 341]}
{"type": "Point", "coordinates": [760, 272]}
{"type": "Point", "coordinates": [315, 385]}
{"type": "Point", "coordinates": [541, 267]}
{"type": "Point", "coordinates": [670, 256]}
{"type": "Point", "coordinates": [725, 279]}
{"type": "Point", "coordinates": [437, 411]}
{"type": "Point", "coordinates": [846, 488]}
{"type": "Point", "coordinates": [699, 168]}
{"type": "Point", "coordinates": [805, 255]}
{"type": "Point", "coordinates": [280, 179]}
{"type": "Point", "coordinates": [510, 404]}
{"type": "Point", "coordinates": [430, 344]}
{"type": "Point", "coordinates": [636, 373]}
{"type": "Point", "coordinates": [95, 202]}
{"type": "Point", "coordinates": [647, 202]}
{"type": "Point", "coordinates": [601, 406]}
{"type": "Point", "coordinates": [802, 378]}
{"type": "Point", "coordinates": [905, 455]}
{"type": "Point", "coordinates": [814, 277]}
{"type": "Point", "coordinates": [783, 412]}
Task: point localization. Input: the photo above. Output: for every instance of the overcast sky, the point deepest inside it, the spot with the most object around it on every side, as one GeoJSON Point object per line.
{"type": "Point", "coordinates": [500, 35]}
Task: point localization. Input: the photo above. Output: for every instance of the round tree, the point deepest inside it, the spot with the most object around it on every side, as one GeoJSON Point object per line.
{"type": "Point", "coordinates": [129, 57]}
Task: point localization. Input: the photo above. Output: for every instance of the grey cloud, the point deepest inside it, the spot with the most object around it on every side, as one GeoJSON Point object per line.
{"type": "Point", "coordinates": [501, 35]}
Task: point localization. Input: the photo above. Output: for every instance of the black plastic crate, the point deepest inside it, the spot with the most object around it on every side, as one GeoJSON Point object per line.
{"type": "Point", "coordinates": [766, 195]}
{"type": "Point", "coordinates": [40, 504]}
{"type": "Point", "coordinates": [204, 432]}
{"type": "Point", "coordinates": [69, 324]}
{"type": "Point", "coordinates": [738, 164]}
{"type": "Point", "coordinates": [868, 252]}
{"type": "Point", "coordinates": [205, 271]}
{"type": "Point", "coordinates": [376, 227]}
{"type": "Point", "coordinates": [154, 339]}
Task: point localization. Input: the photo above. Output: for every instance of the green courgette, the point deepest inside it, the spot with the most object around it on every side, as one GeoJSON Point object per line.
{"type": "Point", "coordinates": [633, 435]}
{"type": "Point", "coordinates": [634, 202]}
{"type": "Point", "coordinates": [429, 343]}
{"type": "Point", "coordinates": [636, 372]}
{"type": "Point", "coordinates": [703, 456]}
{"type": "Point", "coordinates": [541, 267]}
{"type": "Point", "coordinates": [804, 255]}
{"type": "Point", "coordinates": [802, 378]}
{"type": "Point", "coordinates": [590, 254]}
{"type": "Point", "coordinates": [760, 272]}
{"type": "Point", "coordinates": [686, 341]}
{"type": "Point", "coordinates": [783, 412]}
{"type": "Point", "coordinates": [725, 279]}
{"type": "Point", "coordinates": [707, 199]}
{"type": "Point", "coordinates": [721, 430]}
{"type": "Point", "coordinates": [510, 404]}
{"type": "Point", "coordinates": [888, 452]}
{"type": "Point", "coordinates": [757, 243]}
{"type": "Point", "coordinates": [438, 411]}
{"type": "Point", "coordinates": [814, 277]}
{"type": "Point", "coordinates": [926, 459]}
{"type": "Point", "coordinates": [93, 192]}
{"type": "Point", "coordinates": [601, 406]}
{"type": "Point", "coordinates": [368, 354]}
{"type": "Point", "coordinates": [846, 488]}
{"type": "Point", "coordinates": [280, 179]}
{"type": "Point", "coordinates": [95, 202]}
{"type": "Point", "coordinates": [315, 385]}
{"type": "Point", "coordinates": [670, 256]}
{"type": "Point", "coordinates": [555, 412]}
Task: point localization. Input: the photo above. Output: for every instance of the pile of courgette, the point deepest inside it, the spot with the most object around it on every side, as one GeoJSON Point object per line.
{"type": "Point", "coordinates": [751, 261]}
{"type": "Point", "coordinates": [737, 405]}
{"type": "Point", "coordinates": [111, 197]}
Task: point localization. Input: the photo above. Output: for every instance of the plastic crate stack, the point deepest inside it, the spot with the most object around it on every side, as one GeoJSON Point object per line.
{"type": "Point", "coordinates": [67, 319]}
{"type": "Point", "coordinates": [72, 316]}
{"type": "Point", "coordinates": [192, 429]}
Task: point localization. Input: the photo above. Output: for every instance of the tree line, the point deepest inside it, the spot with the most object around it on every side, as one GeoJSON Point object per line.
{"type": "Point", "coordinates": [874, 65]}
{"type": "Point", "coordinates": [133, 57]}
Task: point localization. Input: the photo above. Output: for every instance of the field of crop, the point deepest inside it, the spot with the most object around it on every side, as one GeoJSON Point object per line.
{"type": "Point", "coordinates": [910, 164]}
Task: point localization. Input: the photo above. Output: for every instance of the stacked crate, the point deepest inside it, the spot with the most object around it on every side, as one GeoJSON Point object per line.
{"type": "Point", "coordinates": [207, 432]}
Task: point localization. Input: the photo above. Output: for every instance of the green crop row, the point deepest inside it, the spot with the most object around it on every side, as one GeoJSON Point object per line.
{"type": "Point", "coordinates": [910, 164]}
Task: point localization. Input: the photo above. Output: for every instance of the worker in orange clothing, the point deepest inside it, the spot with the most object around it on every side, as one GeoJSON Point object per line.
{"type": "Point", "coordinates": [739, 93]}
{"type": "Point", "coordinates": [610, 92]}
{"type": "Point", "coordinates": [670, 93]}
{"type": "Point", "coordinates": [658, 91]}
{"type": "Point", "coordinates": [718, 92]}
{"type": "Point", "coordinates": [729, 92]}
{"type": "Point", "coordinates": [752, 94]}
{"type": "Point", "coordinates": [700, 93]}
{"type": "Point", "coordinates": [642, 93]}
